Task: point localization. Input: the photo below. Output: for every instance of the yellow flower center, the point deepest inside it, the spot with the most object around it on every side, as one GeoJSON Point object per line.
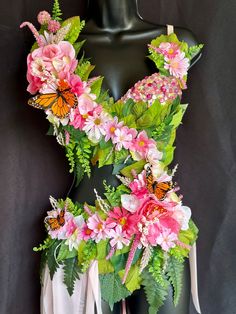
{"type": "Point", "coordinates": [122, 221]}
{"type": "Point", "coordinates": [88, 231]}
{"type": "Point", "coordinates": [112, 129]}
{"type": "Point", "coordinates": [171, 51]}
{"type": "Point", "coordinates": [85, 116]}
{"type": "Point", "coordinates": [97, 121]}
{"type": "Point", "coordinates": [99, 226]}
{"type": "Point", "coordinates": [141, 143]}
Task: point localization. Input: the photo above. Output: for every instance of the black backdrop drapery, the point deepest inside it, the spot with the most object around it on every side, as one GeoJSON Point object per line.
{"type": "Point", "coordinates": [33, 165]}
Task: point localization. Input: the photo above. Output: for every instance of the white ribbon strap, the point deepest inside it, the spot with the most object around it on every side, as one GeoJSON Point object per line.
{"type": "Point", "coordinates": [170, 29]}
{"type": "Point", "coordinates": [193, 274]}
{"type": "Point", "coordinates": [93, 290]}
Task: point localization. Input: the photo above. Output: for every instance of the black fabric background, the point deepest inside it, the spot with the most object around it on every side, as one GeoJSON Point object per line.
{"type": "Point", "coordinates": [32, 165]}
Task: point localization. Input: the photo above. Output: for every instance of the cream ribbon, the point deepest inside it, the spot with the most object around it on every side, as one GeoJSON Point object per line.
{"type": "Point", "coordinates": [56, 300]}
{"type": "Point", "coordinates": [193, 275]}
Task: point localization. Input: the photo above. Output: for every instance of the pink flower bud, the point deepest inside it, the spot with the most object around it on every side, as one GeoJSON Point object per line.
{"type": "Point", "coordinates": [44, 17]}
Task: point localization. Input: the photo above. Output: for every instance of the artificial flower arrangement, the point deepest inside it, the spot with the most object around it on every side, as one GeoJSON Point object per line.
{"type": "Point", "coordinates": [139, 232]}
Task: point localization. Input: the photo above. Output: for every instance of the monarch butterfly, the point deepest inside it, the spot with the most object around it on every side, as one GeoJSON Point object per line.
{"type": "Point", "coordinates": [159, 189]}
{"type": "Point", "coordinates": [57, 222]}
{"type": "Point", "coordinates": [59, 102]}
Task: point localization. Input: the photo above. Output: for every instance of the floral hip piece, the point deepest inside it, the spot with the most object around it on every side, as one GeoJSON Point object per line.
{"type": "Point", "coordinates": [139, 232]}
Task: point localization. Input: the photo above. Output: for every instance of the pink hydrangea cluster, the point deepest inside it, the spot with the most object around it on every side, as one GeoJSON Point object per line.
{"type": "Point", "coordinates": [156, 86]}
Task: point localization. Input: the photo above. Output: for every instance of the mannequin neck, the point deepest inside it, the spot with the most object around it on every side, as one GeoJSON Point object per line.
{"type": "Point", "coordinates": [114, 15]}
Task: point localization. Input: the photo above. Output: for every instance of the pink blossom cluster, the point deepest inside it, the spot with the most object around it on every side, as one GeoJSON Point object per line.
{"type": "Point", "coordinates": [155, 86]}
{"type": "Point", "coordinates": [175, 60]}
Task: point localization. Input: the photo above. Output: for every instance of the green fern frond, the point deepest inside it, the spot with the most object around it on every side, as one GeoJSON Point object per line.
{"type": "Point", "coordinates": [56, 11]}
{"type": "Point", "coordinates": [155, 293]}
{"type": "Point", "coordinates": [71, 273]}
{"type": "Point", "coordinates": [175, 276]}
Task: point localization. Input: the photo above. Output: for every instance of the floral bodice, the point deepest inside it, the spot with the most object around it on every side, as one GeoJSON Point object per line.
{"type": "Point", "coordinates": [139, 232]}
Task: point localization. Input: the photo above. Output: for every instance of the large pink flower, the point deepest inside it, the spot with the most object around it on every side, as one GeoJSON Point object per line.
{"type": "Point", "coordinates": [138, 186]}
{"type": "Point", "coordinates": [169, 50]}
{"type": "Point", "coordinates": [76, 85]}
{"type": "Point", "coordinates": [177, 66]}
{"type": "Point", "coordinates": [126, 220]}
{"type": "Point", "coordinates": [141, 144]}
{"type": "Point", "coordinates": [123, 137]}
{"type": "Point", "coordinates": [55, 60]}
{"type": "Point", "coordinates": [100, 228]}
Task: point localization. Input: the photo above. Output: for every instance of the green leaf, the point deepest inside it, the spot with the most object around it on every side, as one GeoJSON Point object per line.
{"type": "Point", "coordinates": [120, 156]}
{"type": "Point", "coordinates": [51, 261]}
{"type": "Point", "coordinates": [77, 46]}
{"type": "Point", "coordinates": [84, 69]}
{"type": "Point", "coordinates": [137, 166]}
{"type": "Point", "coordinates": [151, 116]}
{"type": "Point", "coordinates": [102, 249]}
{"type": "Point", "coordinates": [65, 253]}
{"type": "Point", "coordinates": [79, 173]}
{"type": "Point", "coordinates": [138, 109]}
{"type": "Point", "coordinates": [96, 86]}
{"type": "Point", "coordinates": [177, 118]}
{"type": "Point", "coordinates": [75, 28]}
{"type": "Point", "coordinates": [134, 279]}
{"type": "Point", "coordinates": [50, 130]}
{"type": "Point", "coordinates": [129, 121]}
{"type": "Point", "coordinates": [112, 289]}
{"type": "Point", "coordinates": [127, 107]}
{"type": "Point", "coordinates": [116, 108]}
{"type": "Point", "coordinates": [175, 274]}
{"type": "Point", "coordinates": [56, 11]}
{"type": "Point", "coordinates": [105, 157]}
{"type": "Point", "coordinates": [155, 293]}
{"type": "Point", "coordinates": [71, 273]}
{"type": "Point", "coordinates": [119, 260]}
{"type": "Point", "coordinates": [105, 267]}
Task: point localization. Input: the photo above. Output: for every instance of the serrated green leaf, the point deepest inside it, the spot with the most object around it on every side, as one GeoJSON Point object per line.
{"type": "Point", "coordinates": [77, 46]}
{"type": "Point", "coordinates": [120, 156]}
{"type": "Point", "coordinates": [65, 253]}
{"type": "Point", "coordinates": [138, 109]}
{"type": "Point", "coordinates": [151, 116]}
{"type": "Point", "coordinates": [137, 166]}
{"type": "Point", "coordinates": [105, 157]}
{"type": "Point", "coordinates": [117, 108]}
{"type": "Point", "coordinates": [105, 267]}
{"type": "Point", "coordinates": [133, 281]}
{"type": "Point", "coordinates": [75, 28]}
{"type": "Point", "coordinates": [127, 107]}
{"type": "Point", "coordinates": [71, 273]}
{"type": "Point", "coordinates": [51, 261]}
{"type": "Point", "coordinates": [155, 293]}
{"type": "Point", "coordinates": [79, 173]}
{"type": "Point", "coordinates": [96, 86]}
{"type": "Point", "coordinates": [102, 249]}
{"type": "Point", "coordinates": [175, 273]}
{"type": "Point", "coordinates": [178, 116]}
{"type": "Point", "coordinates": [112, 289]}
{"type": "Point", "coordinates": [129, 121]}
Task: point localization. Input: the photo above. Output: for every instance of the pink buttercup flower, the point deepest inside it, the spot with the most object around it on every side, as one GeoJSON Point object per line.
{"type": "Point", "coordinates": [141, 144]}
{"type": "Point", "coordinates": [138, 185]}
{"type": "Point", "coordinates": [167, 240]}
{"type": "Point", "coordinates": [101, 229]}
{"type": "Point", "coordinates": [118, 238]}
{"type": "Point", "coordinates": [111, 127]}
{"type": "Point", "coordinates": [76, 119]}
{"type": "Point", "coordinates": [76, 84]}
{"type": "Point", "coordinates": [43, 17]}
{"type": "Point", "coordinates": [53, 26]}
{"type": "Point", "coordinates": [95, 126]}
{"type": "Point", "coordinates": [169, 50]}
{"type": "Point", "coordinates": [123, 137]}
{"type": "Point", "coordinates": [178, 66]}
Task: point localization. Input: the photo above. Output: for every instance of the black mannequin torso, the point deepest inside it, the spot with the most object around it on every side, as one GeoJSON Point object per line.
{"type": "Point", "coordinates": [116, 40]}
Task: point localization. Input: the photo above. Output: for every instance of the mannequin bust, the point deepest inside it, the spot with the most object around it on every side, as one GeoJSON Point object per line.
{"type": "Point", "coordinates": [116, 40]}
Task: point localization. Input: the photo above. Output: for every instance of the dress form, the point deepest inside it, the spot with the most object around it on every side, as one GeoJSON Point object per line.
{"type": "Point", "coordinates": [116, 40]}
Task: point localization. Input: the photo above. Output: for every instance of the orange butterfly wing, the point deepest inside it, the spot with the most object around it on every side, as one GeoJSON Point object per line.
{"type": "Point", "coordinates": [161, 189]}
{"type": "Point", "coordinates": [56, 223]}
{"type": "Point", "coordinates": [60, 103]}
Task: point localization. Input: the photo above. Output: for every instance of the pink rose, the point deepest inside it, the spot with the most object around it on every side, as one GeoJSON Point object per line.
{"type": "Point", "coordinates": [50, 62]}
